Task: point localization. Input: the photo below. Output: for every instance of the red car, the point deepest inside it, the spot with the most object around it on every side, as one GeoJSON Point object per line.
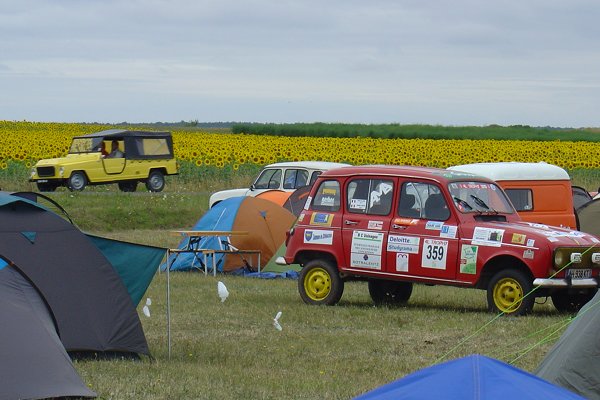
{"type": "Point", "coordinates": [396, 226]}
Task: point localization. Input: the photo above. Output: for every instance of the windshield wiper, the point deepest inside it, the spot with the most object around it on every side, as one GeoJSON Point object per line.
{"type": "Point", "coordinates": [462, 203]}
{"type": "Point", "coordinates": [482, 203]}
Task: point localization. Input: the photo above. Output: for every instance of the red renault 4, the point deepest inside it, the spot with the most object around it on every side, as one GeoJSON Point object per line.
{"type": "Point", "coordinates": [396, 226]}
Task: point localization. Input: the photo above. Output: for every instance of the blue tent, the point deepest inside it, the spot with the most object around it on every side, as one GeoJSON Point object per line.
{"type": "Point", "coordinates": [265, 222]}
{"type": "Point", "coordinates": [472, 377]}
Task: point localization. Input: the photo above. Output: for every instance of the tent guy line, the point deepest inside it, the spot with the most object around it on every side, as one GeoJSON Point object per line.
{"type": "Point", "coordinates": [569, 321]}
{"type": "Point", "coordinates": [484, 326]}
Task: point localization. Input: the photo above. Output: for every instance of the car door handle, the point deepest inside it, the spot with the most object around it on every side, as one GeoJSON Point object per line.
{"type": "Point", "coordinates": [348, 222]}
{"type": "Point", "coordinates": [396, 226]}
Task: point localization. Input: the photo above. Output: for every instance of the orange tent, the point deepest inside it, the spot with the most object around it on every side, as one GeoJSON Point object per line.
{"type": "Point", "coordinates": [276, 196]}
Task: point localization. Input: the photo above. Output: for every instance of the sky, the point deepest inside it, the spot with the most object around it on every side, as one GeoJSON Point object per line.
{"type": "Point", "coordinates": [439, 62]}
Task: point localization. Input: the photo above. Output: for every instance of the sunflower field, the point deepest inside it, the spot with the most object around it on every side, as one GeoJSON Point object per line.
{"type": "Point", "coordinates": [23, 143]}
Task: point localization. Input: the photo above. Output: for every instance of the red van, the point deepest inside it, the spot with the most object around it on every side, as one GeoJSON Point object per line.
{"type": "Point", "coordinates": [396, 226]}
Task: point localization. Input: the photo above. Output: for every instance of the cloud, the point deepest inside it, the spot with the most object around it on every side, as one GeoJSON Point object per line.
{"type": "Point", "coordinates": [380, 61]}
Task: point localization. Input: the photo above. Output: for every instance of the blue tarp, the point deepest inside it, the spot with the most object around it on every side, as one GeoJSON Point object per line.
{"type": "Point", "coordinates": [473, 377]}
{"type": "Point", "coordinates": [291, 274]}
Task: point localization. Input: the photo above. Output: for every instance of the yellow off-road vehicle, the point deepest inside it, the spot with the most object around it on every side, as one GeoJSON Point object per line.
{"type": "Point", "coordinates": [112, 156]}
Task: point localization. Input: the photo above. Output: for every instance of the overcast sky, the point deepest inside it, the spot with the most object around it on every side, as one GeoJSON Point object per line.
{"type": "Point", "coordinates": [459, 62]}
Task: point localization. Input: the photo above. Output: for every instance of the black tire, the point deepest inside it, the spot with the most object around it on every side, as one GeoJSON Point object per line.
{"type": "Point", "coordinates": [509, 293]}
{"type": "Point", "coordinates": [155, 182]}
{"type": "Point", "coordinates": [127, 186]}
{"type": "Point", "coordinates": [571, 302]}
{"type": "Point", "coordinates": [389, 293]}
{"type": "Point", "coordinates": [77, 181]}
{"type": "Point", "coordinates": [320, 283]}
{"type": "Point", "coordinates": [46, 186]}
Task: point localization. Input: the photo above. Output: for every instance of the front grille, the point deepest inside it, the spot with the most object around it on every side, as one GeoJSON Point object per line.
{"type": "Point", "coordinates": [588, 257]}
{"type": "Point", "coordinates": [45, 171]}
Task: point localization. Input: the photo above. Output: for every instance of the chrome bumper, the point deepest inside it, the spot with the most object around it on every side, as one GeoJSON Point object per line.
{"type": "Point", "coordinates": [564, 283]}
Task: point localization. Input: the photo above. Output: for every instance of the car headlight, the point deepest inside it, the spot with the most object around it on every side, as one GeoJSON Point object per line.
{"type": "Point", "coordinates": [32, 172]}
{"type": "Point", "coordinates": [596, 258]}
{"type": "Point", "coordinates": [61, 171]}
{"type": "Point", "coordinates": [559, 258]}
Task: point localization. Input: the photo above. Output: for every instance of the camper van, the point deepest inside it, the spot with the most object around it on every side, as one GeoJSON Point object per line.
{"type": "Point", "coordinates": [540, 192]}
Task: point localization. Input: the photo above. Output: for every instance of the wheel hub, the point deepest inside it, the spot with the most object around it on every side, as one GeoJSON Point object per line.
{"type": "Point", "coordinates": [317, 284]}
{"type": "Point", "coordinates": [508, 295]}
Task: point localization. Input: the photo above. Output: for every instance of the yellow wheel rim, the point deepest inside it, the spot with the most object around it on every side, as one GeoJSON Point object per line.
{"type": "Point", "coordinates": [508, 295]}
{"type": "Point", "coordinates": [317, 284]}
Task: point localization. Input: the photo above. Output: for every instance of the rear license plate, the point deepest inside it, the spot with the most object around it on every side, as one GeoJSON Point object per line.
{"type": "Point", "coordinates": [42, 180]}
{"type": "Point", "coordinates": [579, 273]}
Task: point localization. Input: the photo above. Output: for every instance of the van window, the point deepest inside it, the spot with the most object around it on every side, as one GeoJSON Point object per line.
{"type": "Point", "coordinates": [327, 196]}
{"type": "Point", "coordinates": [522, 199]}
{"type": "Point", "coordinates": [370, 196]}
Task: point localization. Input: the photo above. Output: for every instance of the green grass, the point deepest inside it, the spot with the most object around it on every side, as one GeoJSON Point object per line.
{"type": "Point", "coordinates": [231, 350]}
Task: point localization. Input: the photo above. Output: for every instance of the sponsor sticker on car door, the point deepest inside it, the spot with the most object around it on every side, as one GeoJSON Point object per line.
{"type": "Point", "coordinates": [366, 249]}
{"type": "Point", "coordinates": [434, 253]}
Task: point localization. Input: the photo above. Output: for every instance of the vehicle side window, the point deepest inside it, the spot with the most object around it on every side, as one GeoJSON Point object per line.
{"type": "Point", "coordinates": [522, 199]}
{"type": "Point", "coordinates": [327, 196]}
{"type": "Point", "coordinates": [370, 196]}
{"type": "Point", "coordinates": [295, 178]}
{"type": "Point", "coordinates": [313, 177]}
{"type": "Point", "coordinates": [422, 200]}
{"type": "Point", "coordinates": [149, 147]}
{"type": "Point", "coordinates": [268, 179]}
{"type": "Point", "coordinates": [410, 204]}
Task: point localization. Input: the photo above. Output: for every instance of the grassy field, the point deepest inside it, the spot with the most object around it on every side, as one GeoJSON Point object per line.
{"type": "Point", "coordinates": [231, 350]}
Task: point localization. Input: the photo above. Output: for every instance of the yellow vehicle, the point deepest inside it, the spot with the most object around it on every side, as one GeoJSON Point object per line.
{"type": "Point", "coordinates": [112, 156]}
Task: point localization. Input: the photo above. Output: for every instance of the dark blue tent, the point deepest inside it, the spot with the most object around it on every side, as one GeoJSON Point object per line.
{"type": "Point", "coordinates": [34, 363]}
{"type": "Point", "coordinates": [472, 377]}
{"type": "Point", "coordinates": [94, 309]}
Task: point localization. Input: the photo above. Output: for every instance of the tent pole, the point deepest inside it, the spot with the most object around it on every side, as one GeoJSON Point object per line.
{"type": "Point", "coordinates": [168, 305]}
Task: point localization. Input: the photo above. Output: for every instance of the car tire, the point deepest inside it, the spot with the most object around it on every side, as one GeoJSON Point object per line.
{"type": "Point", "coordinates": [320, 283]}
{"type": "Point", "coordinates": [127, 186]}
{"type": "Point", "coordinates": [571, 302]}
{"type": "Point", "coordinates": [46, 186]}
{"type": "Point", "coordinates": [77, 181]}
{"type": "Point", "coordinates": [155, 181]}
{"type": "Point", "coordinates": [389, 293]}
{"type": "Point", "coordinates": [509, 292]}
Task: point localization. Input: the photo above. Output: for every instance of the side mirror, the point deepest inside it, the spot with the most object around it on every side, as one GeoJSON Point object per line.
{"type": "Point", "coordinates": [252, 187]}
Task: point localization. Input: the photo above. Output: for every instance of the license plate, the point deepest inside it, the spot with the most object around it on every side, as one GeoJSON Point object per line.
{"type": "Point", "coordinates": [579, 273]}
{"type": "Point", "coordinates": [42, 180]}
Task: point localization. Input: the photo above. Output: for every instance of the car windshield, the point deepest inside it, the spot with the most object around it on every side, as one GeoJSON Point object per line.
{"type": "Point", "coordinates": [85, 145]}
{"type": "Point", "coordinates": [479, 197]}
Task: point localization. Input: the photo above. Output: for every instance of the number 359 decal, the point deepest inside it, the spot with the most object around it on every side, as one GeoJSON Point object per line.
{"type": "Point", "coordinates": [434, 253]}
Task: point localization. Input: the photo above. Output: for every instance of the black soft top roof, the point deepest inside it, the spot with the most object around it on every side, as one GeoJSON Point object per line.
{"type": "Point", "coordinates": [124, 132]}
